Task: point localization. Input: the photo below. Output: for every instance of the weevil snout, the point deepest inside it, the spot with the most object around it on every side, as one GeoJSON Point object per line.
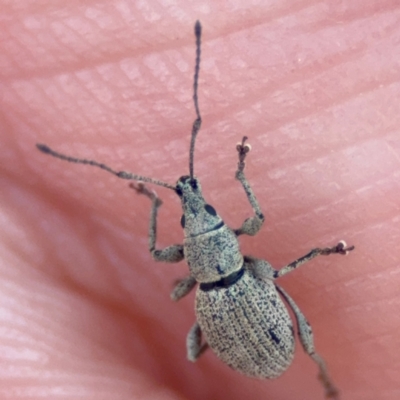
{"type": "Point", "coordinates": [186, 184]}
{"type": "Point", "coordinates": [198, 216]}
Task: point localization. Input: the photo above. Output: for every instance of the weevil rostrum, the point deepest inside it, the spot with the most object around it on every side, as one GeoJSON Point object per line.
{"type": "Point", "coordinates": [240, 310]}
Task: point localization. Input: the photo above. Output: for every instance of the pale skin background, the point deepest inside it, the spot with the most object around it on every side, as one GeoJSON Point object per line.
{"type": "Point", "coordinates": [84, 311]}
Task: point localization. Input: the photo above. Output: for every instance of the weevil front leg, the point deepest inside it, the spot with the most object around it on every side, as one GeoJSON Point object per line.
{"type": "Point", "coordinates": [193, 343]}
{"type": "Point", "coordinates": [170, 254]}
{"type": "Point", "coordinates": [251, 225]}
{"type": "Point", "coordinates": [340, 248]}
{"type": "Point", "coordinates": [307, 341]}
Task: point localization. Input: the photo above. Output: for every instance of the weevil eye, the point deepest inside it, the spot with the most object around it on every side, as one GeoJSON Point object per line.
{"type": "Point", "coordinates": [210, 209]}
{"type": "Point", "coordinates": [183, 221]}
{"type": "Point", "coordinates": [178, 191]}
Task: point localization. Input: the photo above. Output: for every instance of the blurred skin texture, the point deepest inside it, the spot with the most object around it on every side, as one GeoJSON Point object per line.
{"type": "Point", "coordinates": [84, 311]}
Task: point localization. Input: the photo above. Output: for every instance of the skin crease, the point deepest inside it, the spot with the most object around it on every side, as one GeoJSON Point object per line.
{"type": "Point", "coordinates": [85, 312]}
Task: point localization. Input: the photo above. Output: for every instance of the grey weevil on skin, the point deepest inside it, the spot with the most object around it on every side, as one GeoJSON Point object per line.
{"type": "Point", "coordinates": [239, 308]}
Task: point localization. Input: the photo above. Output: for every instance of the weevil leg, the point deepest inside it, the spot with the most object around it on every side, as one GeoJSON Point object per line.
{"type": "Point", "coordinates": [307, 341]}
{"type": "Point", "coordinates": [251, 225]}
{"type": "Point", "coordinates": [340, 248]}
{"type": "Point", "coordinates": [193, 343]}
{"type": "Point", "coordinates": [260, 268]}
{"type": "Point", "coordinates": [183, 287]}
{"type": "Point", "coordinates": [170, 254]}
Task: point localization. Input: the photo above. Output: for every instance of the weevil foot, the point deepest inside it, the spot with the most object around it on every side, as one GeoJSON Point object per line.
{"type": "Point", "coordinates": [340, 248]}
{"type": "Point", "coordinates": [242, 148]}
{"type": "Point", "coordinates": [141, 188]}
{"type": "Point", "coordinates": [330, 390]}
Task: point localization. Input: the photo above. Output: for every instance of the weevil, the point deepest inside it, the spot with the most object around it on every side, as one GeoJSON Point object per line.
{"type": "Point", "coordinates": [240, 310]}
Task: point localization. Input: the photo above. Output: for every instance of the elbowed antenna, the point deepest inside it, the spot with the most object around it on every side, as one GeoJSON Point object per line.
{"type": "Point", "coordinates": [197, 122]}
{"type": "Point", "coordinates": [120, 174]}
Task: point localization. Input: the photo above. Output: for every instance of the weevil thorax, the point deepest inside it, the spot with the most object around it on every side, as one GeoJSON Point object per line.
{"type": "Point", "coordinates": [211, 248]}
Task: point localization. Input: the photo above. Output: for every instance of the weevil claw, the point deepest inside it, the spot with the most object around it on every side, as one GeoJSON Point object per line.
{"type": "Point", "coordinates": [242, 148]}
{"type": "Point", "coordinates": [343, 249]}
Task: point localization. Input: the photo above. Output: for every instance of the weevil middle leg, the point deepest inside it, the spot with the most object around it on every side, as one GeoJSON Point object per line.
{"type": "Point", "coordinates": [262, 269]}
{"type": "Point", "coordinates": [340, 248]}
{"type": "Point", "coordinates": [183, 287]}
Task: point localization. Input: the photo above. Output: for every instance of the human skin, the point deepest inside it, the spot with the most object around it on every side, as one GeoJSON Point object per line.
{"type": "Point", "coordinates": [85, 311]}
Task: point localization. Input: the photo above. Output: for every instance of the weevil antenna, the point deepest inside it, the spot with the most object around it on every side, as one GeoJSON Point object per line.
{"type": "Point", "coordinates": [120, 174]}
{"type": "Point", "coordinates": [197, 122]}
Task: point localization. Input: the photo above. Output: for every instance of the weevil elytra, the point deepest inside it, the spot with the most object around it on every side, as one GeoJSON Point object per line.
{"type": "Point", "coordinates": [239, 308]}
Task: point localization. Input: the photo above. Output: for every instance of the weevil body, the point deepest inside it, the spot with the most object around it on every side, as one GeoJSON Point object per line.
{"type": "Point", "coordinates": [240, 310]}
{"type": "Point", "coordinates": [247, 324]}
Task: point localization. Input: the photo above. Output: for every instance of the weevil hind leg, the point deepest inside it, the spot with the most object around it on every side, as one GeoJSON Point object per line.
{"type": "Point", "coordinates": [193, 343]}
{"type": "Point", "coordinates": [307, 341]}
{"type": "Point", "coordinates": [170, 254]}
{"type": "Point", "coordinates": [251, 225]}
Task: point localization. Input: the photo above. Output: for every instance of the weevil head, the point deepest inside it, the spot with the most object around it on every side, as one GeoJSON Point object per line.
{"type": "Point", "coordinates": [198, 216]}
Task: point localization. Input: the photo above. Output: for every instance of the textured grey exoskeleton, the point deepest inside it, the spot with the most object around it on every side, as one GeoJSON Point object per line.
{"type": "Point", "coordinates": [239, 307]}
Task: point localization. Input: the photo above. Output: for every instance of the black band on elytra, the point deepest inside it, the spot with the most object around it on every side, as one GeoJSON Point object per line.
{"type": "Point", "coordinates": [223, 282]}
